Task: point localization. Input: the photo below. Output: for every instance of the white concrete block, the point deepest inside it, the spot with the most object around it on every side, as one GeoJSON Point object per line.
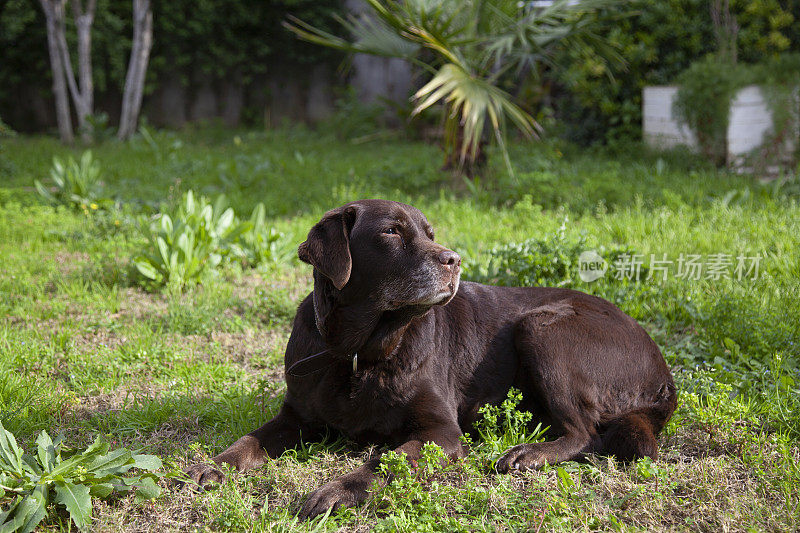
{"type": "Point", "coordinates": [750, 120]}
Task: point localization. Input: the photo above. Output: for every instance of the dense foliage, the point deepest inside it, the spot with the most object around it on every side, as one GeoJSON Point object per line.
{"type": "Point", "coordinates": [661, 40]}
{"type": "Point", "coordinates": [593, 101]}
{"type": "Point", "coordinates": [186, 245]}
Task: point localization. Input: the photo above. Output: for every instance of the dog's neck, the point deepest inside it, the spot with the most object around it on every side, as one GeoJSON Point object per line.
{"type": "Point", "coordinates": [360, 326]}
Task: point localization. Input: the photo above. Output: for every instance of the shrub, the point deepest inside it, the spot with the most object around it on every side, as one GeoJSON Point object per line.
{"type": "Point", "coordinates": [707, 88]}
{"type": "Point", "coordinates": [703, 102]}
{"type": "Point", "coordinates": [658, 41]}
{"type": "Point", "coordinates": [77, 184]}
{"type": "Point", "coordinates": [67, 479]}
{"type": "Point", "coordinates": [535, 261]}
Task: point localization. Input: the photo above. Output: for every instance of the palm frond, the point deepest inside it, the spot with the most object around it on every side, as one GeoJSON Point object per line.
{"type": "Point", "coordinates": [370, 36]}
{"type": "Point", "coordinates": [532, 35]}
{"type": "Point", "coordinates": [472, 100]}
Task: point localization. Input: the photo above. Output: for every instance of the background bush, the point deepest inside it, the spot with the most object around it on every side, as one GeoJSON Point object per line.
{"type": "Point", "coordinates": [659, 40]}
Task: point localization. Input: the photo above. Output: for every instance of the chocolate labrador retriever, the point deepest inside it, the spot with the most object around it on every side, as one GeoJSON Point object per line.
{"type": "Point", "coordinates": [390, 348]}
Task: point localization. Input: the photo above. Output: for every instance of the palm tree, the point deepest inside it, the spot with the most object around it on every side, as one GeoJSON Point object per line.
{"type": "Point", "coordinates": [469, 47]}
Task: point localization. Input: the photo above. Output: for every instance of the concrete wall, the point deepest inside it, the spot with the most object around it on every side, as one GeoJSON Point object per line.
{"type": "Point", "coordinates": [659, 126]}
{"type": "Point", "coordinates": [750, 121]}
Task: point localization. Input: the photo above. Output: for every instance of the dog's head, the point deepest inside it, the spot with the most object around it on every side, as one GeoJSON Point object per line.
{"type": "Point", "coordinates": [384, 252]}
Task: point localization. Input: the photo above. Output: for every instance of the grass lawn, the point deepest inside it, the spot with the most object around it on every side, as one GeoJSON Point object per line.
{"type": "Point", "coordinates": [86, 350]}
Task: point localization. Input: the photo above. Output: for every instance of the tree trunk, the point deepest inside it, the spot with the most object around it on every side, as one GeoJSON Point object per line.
{"type": "Point", "coordinates": [83, 24]}
{"type": "Point", "coordinates": [83, 96]}
{"type": "Point", "coordinates": [54, 15]}
{"type": "Point", "coordinates": [473, 161]}
{"type": "Point", "coordinates": [137, 68]}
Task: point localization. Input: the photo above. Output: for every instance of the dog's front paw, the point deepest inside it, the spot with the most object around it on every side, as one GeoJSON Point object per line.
{"type": "Point", "coordinates": [205, 474]}
{"type": "Point", "coordinates": [332, 495]}
{"type": "Point", "coordinates": [520, 458]}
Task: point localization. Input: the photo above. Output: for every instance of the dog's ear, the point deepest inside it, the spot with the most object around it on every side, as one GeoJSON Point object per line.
{"type": "Point", "coordinates": [327, 247]}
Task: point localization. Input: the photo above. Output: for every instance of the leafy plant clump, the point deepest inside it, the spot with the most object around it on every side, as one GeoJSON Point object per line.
{"type": "Point", "coordinates": [67, 479]}
{"type": "Point", "coordinates": [505, 425]}
{"type": "Point", "coordinates": [77, 184]}
{"type": "Point", "coordinates": [550, 261]}
{"type": "Point", "coordinates": [185, 245]}
{"type": "Point", "coordinates": [193, 241]}
{"type": "Point", "coordinates": [261, 243]}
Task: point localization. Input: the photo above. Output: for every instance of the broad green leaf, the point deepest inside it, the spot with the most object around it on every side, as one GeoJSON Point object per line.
{"type": "Point", "coordinates": [185, 245]}
{"type": "Point", "coordinates": [240, 229]}
{"type": "Point", "coordinates": [166, 224]}
{"type": "Point", "coordinates": [117, 461]}
{"type": "Point", "coordinates": [97, 448]}
{"type": "Point", "coordinates": [125, 484]}
{"type": "Point", "coordinates": [258, 217]}
{"type": "Point", "coordinates": [225, 221]}
{"type": "Point", "coordinates": [163, 249]}
{"type": "Point", "coordinates": [101, 490]}
{"type": "Point", "coordinates": [144, 266]}
{"type": "Point", "coordinates": [565, 480]}
{"type": "Point", "coordinates": [30, 511]}
{"type": "Point", "coordinates": [189, 201]}
{"type": "Point", "coordinates": [43, 191]}
{"type": "Point", "coordinates": [86, 159]}
{"type": "Point", "coordinates": [206, 214]}
{"type": "Point", "coordinates": [31, 465]}
{"type": "Point", "coordinates": [147, 462]}
{"type": "Point", "coordinates": [146, 489]}
{"type": "Point", "coordinates": [173, 262]}
{"type": "Point", "coordinates": [46, 451]}
{"type": "Point", "coordinates": [57, 173]}
{"type": "Point", "coordinates": [10, 453]}
{"type": "Point", "coordinates": [220, 203]}
{"type": "Point", "coordinates": [78, 502]}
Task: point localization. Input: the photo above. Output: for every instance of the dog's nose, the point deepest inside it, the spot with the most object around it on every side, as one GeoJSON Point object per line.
{"type": "Point", "coordinates": [449, 258]}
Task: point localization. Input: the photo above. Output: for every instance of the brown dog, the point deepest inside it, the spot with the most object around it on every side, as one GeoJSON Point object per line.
{"type": "Point", "coordinates": [389, 348]}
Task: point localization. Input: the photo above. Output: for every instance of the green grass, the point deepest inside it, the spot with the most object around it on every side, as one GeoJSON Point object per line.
{"type": "Point", "coordinates": [85, 350]}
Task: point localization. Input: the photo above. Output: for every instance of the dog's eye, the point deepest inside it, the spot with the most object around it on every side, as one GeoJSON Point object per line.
{"type": "Point", "coordinates": [390, 231]}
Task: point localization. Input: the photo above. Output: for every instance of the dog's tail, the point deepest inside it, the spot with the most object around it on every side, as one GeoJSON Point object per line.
{"type": "Point", "coordinates": [632, 435]}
